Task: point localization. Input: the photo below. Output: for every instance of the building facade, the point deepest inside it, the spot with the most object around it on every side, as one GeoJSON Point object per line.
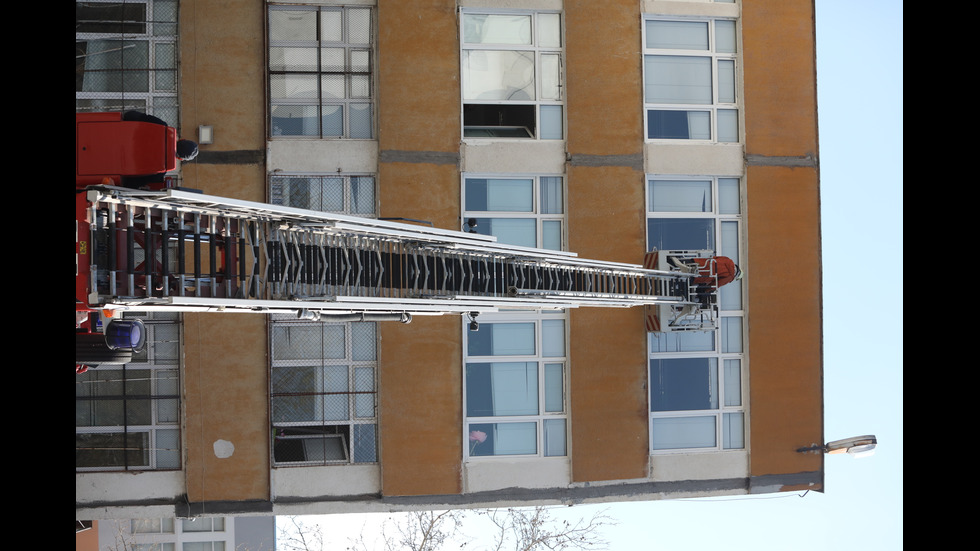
{"type": "Point", "coordinates": [604, 128]}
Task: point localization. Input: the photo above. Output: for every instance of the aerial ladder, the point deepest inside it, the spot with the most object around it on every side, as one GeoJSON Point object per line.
{"type": "Point", "coordinates": [177, 250]}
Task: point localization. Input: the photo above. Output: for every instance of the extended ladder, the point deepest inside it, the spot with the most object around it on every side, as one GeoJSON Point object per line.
{"type": "Point", "coordinates": [182, 251]}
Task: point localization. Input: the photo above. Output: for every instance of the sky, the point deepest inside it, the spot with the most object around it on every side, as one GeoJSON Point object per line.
{"type": "Point", "coordinates": [860, 104]}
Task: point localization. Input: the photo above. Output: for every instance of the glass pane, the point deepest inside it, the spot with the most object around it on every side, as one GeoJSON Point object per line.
{"type": "Point", "coordinates": [333, 59]}
{"type": "Point", "coordinates": [503, 439]}
{"type": "Point", "coordinates": [495, 339]}
{"type": "Point", "coordinates": [551, 235]}
{"type": "Point", "coordinates": [726, 81]}
{"type": "Point", "coordinates": [725, 37]}
{"type": "Point", "coordinates": [293, 86]}
{"type": "Point", "coordinates": [359, 25]}
{"type": "Point", "coordinates": [295, 120]}
{"type": "Point", "coordinates": [503, 195]}
{"type": "Point", "coordinates": [551, 195]}
{"type": "Point", "coordinates": [732, 431]}
{"type": "Point", "coordinates": [496, 29]}
{"type": "Point", "coordinates": [682, 341]}
{"type": "Point", "coordinates": [678, 125]}
{"type": "Point", "coordinates": [678, 79]}
{"type": "Point", "coordinates": [553, 338]}
{"type": "Point", "coordinates": [501, 389]}
{"type": "Point", "coordinates": [364, 386]}
{"type": "Point", "coordinates": [292, 25]}
{"type": "Point", "coordinates": [549, 30]}
{"type": "Point", "coordinates": [727, 125]}
{"type": "Point", "coordinates": [733, 382]}
{"type": "Point", "coordinates": [554, 388]}
{"type": "Point", "coordinates": [330, 192]}
{"type": "Point", "coordinates": [292, 59]}
{"type": "Point", "coordinates": [165, 57]}
{"type": "Point", "coordinates": [552, 123]}
{"type": "Point", "coordinates": [554, 437]}
{"type": "Point", "coordinates": [362, 195]}
{"type": "Point", "coordinates": [167, 448]}
{"type": "Point", "coordinates": [333, 86]}
{"type": "Point", "coordinates": [550, 76]}
{"type": "Point", "coordinates": [683, 384]}
{"type": "Point", "coordinates": [365, 444]}
{"type": "Point", "coordinates": [731, 334]}
{"type": "Point", "coordinates": [677, 35]}
{"type": "Point", "coordinates": [498, 75]}
{"type": "Point", "coordinates": [728, 197]}
{"type": "Point", "coordinates": [364, 342]}
{"type": "Point", "coordinates": [682, 432]}
{"type": "Point", "coordinates": [520, 232]}
{"type": "Point", "coordinates": [361, 125]}
{"type": "Point", "coordinates": [333, 121]}
{"type": "Point", "coordinates": [680, 196]}
{"type": "Point", "coordinates": [332, 25]}
{"type": "Point", "coordinates": [681, 234]}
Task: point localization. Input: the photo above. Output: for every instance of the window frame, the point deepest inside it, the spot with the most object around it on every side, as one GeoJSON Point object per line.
{"type": "Point", "coordinates": [164, 398]}
{"type": "Point", "coordinates": [319, 427]}
{"type": "Point", "coordinates": [538, 357]}
{"type": "Point", "coordinates": [280, 180]}
{"type": "Point", "coordinates": [715, 105]}
{"type": "Point", "coordinates": [514, 131]}
{"type": "Point", "coordinates": [347, 74]}
{"type": "Point", "coordinates": [728, 341]}
{"type": "Point", "coordinates": [160, 35]}
{"type": "Point", "coordinates": [535, 213]}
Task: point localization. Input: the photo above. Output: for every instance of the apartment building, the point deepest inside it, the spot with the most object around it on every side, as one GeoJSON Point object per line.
{"type": "Point", "coordinates": [605, 128]}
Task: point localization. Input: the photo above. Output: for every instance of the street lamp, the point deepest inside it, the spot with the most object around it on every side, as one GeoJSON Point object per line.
{"type": "Point", "coordinates": [858, 446]}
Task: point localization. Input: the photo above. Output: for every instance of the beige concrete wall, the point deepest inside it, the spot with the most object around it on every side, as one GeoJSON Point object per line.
{"type": "Point", "coordinates": [783, 223]}
{"type": "Point", "coordinates": [420, 380]}
{"type": "Point", "coordinates": [226, 394]}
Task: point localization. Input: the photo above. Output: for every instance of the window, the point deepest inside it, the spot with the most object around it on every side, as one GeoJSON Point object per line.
{"type": "Point", "coordinates": [527, 211]}
{"type": "Point", "coordinates": [343, 193]}
{"type": "Point", "coordinates": [514, 377]}
{"type": "Point", "coordinates": [126, 57]}
{"type": "Point", "coordinates": [128, 417]}
{"type": "Point", "coordinates": [323, 392]}
{"type": "Point", "coordinates": [690, 90]}
{"type": "Point", "coordinates": [321, 72]}
{"type": "Point", "coordinates": [696, 377]}
{"type": "Point", "coordinates": [512, 75]}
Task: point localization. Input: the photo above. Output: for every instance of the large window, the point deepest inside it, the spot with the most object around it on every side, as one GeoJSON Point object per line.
{"type": "Point", "coordinates": [515, 386]}
{"type": "Point", "coordinates": [321, 72]}
{"type": "Point", "coordinates": [126, 57]}
{"type": "Point", "coordinates": [527, 211]}
{"type": "Point", "coordinates": [696, 377]}
{"type": "Point", "coordinates": [343, 193]}
{"type": "Point", "coordinates": [512, 75]}
{"type": "Point", "coordinates": [324, 392]}
{"type": "Point", "coordinates": [690, 80]}
{"type": "Point", "coordinates": [127, 417]}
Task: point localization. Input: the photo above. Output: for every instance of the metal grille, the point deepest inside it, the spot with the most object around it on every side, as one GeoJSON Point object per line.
{"type": "Point", "coordinates": [128, 418]}
{"type": "Point", "coordinates": [126, 57]}
{"type": "Point", "coordinates": [324, 392]}
{"type": "Point", "coordinates": [347, 194]}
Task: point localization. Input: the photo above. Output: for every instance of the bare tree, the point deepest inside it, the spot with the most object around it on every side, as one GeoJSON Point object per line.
{"type": "Point", "coordinates": [296, 535]}
{"type": "Point", "coordinates": [415, 531]}
{"type": "Point", "coordinates": [535, 529]}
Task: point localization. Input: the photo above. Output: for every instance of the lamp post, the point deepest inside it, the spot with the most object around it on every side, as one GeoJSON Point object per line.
{"type": "Point", "coordinates": [858, 446]}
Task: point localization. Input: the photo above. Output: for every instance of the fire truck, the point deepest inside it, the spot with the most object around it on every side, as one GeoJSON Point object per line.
{"type": "Point", "coordinates": [144, 244]}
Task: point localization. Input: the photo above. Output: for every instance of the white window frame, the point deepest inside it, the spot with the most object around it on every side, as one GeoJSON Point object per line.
{"type": "Point", "coordinates": [728, 341]}
{"type": "Point", "coordinates": [160, 98]}
{"type": "Point", "coordinates": [280, 182]}
{"type": "Point", "coordinates": [164, 423]}
{"type": "Point", "coordinates": [537, 51]}
{"type": "Point", "coordinates": [318, 426]}
{"type": "Point", "coordinates": [539, 419]}
{"type": "Point", "coordinates": [534, 214]}
{"type": "Point", "coordinates": [350, 100]}
{"type": "Point", "coordinates": [716, 105]}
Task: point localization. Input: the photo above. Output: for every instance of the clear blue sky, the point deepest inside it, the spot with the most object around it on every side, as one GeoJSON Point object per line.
{"type": "Point", "coordinates": [860, 94]}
